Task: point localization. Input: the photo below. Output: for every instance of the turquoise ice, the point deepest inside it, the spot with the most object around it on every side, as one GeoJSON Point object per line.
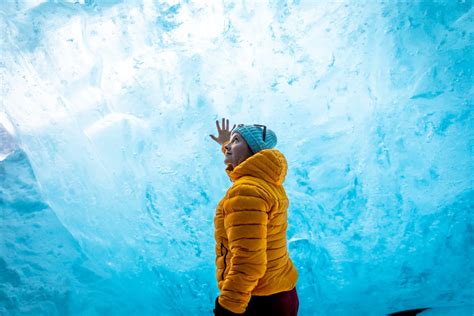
{"type": "Point", "coordinates": [109, 180]}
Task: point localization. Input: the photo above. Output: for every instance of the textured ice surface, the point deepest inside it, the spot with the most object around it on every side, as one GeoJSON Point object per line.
{"type": "Point", "coordinates": [109, 180]}
{"type": "Point", "coordinates": [449, 311]}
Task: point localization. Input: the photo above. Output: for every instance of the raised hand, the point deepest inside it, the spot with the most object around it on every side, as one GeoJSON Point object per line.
{"type": "Point", "coordinates": [223, 133]}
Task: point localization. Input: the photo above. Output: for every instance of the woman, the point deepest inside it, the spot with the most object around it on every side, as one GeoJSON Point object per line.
{"type": "Point", "coordinates": [255, 274]}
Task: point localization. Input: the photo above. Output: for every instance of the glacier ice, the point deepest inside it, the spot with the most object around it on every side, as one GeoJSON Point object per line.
{"type": "Point", "coordinates": [109, 181]}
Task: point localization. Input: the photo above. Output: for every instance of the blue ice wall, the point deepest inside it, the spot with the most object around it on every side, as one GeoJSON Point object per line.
{"type": "Point", "coordinates": [109, 180]}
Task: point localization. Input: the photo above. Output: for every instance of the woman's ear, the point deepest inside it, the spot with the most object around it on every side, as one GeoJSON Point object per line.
{"type": "Point", "coordinates": [250, 149]}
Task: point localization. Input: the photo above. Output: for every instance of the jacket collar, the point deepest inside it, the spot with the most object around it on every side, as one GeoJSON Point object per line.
{"type": "Point", "coordinates": [268, 164]}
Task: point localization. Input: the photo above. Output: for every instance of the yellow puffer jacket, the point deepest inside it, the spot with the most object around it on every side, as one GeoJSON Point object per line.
{"type": "Point", "coordinates": [250, 231]}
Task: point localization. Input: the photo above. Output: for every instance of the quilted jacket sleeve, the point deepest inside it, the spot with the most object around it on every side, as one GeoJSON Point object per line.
{"type": "Point", "coordinates": [245, 222]}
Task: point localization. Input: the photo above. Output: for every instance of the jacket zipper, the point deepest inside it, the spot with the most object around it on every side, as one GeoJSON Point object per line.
{"type": "Point", "coordinates": [222, 245]}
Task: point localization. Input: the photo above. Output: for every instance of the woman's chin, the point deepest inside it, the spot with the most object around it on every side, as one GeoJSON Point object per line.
{"type": "Point", "coordinates": [227, 162]}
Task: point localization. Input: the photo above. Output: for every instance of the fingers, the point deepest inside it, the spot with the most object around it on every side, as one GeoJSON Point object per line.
{"type": "Point", "coordinates": [213, 137]}
{"type": "Point", "coordinates": [232, 128]}
{"type": "Point", "coordinates": [225, 125]}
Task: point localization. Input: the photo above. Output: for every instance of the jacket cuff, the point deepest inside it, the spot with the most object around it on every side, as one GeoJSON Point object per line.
{"type": "Point", "coordinates": [231, 306]}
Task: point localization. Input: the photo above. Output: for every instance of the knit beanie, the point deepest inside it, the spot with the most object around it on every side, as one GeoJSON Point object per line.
{"type": "Point", "coordinates": [253, 135]}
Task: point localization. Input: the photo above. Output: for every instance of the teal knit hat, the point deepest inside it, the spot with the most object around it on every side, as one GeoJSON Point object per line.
{"type": "Point", "coordinates": [258, 137]}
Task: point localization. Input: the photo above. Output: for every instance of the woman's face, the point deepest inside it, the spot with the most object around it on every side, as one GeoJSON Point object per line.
{"type": "Point", "coordinates": [237, 150]}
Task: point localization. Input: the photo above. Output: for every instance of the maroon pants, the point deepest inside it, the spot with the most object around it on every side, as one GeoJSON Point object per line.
{"type": "Point", "coordinates": [278, 304]}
